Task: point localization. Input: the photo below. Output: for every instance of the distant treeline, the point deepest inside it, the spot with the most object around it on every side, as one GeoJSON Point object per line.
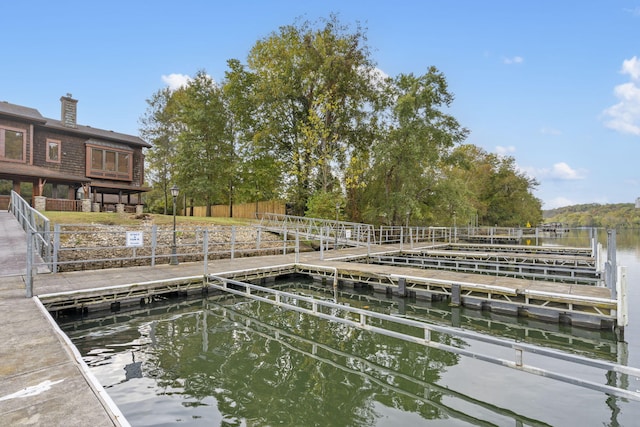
{"type": "Point", "coordinates": [618, 216]}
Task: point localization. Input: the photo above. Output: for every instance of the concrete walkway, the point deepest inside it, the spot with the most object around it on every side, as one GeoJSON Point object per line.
{"type": "Point", "coordinates": [41, 380]}
{"type": "Point", "coordinates": [13, 246]}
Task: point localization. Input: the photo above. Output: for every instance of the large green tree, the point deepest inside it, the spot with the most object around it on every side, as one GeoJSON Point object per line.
{"type": "Point", "coordinates": [310, 119]}
{"type": "Point", "coordinates": [158, 127]}
{"type": "Point", "coordinates": [416, 135]}
{"type": "Point", "coordinates": [497, 191]}
{"type": "Point", "coordinates": [311, 97]}
{"type": "Point", "coordinates": [206, 161]}
{"type": "Point", "coordinates": [259, 168]}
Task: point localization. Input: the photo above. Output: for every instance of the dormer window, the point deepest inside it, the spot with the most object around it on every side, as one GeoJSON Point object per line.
{"type": "Point", "coordinates": [110, 163]}
{"type": "Point", "coordinates": [13, 144]}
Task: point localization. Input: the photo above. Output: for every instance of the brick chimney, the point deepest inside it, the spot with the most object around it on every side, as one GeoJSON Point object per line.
{"type": "Point", "coordinates": [69, 109]}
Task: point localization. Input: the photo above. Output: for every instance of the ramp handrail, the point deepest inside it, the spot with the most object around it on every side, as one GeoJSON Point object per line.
{"type": "Point", "coordinates": [37, 228]}
{"type": "Point", "coordinates": [342, 232]}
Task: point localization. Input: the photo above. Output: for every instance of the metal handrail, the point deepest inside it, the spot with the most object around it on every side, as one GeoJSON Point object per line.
{"type": "Point", "coordinates": [280, 299]}
{"type": "Point", "coordinates": [36, 226]}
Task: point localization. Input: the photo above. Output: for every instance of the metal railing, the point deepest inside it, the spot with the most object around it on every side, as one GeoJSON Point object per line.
{"type": "Point", "coordinates": [37, 228]}
{"type": "Point", "coordinates": [80, 247]}
{"type": "Point", "coordinates": [340, 232]}
{"type": "Point", "coordinates": [427, 334]}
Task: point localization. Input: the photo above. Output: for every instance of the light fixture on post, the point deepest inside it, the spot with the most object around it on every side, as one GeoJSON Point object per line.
{"type": "Point", "coordinates": [174, 256]}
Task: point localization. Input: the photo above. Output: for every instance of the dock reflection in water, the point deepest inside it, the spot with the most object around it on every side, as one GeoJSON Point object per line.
{"type": "Point", "coordinates": [226, 360]}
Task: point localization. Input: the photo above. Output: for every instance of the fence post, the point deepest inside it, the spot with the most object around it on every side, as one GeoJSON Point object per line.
{"type": "Point", "coordinates": [297, 258]}
{"type": "Point", "coordinates": [411, 237]}
{"type": "Point", "coordinates": [233, 241]}
{"type": "Point", "coordinates": [205, 249]}
{"type": "Point", "coordinates": [259, 237]}
{"type": "Point", "coordinates": [29, 278]}
{"type": "Point", "coordinates": [154, 244]}
{"type": "Point", "coordinates": [284, 249]}
{"type": "Point", "coordinates": [321, 245]}
{"type": "Point", "coordinates": [56, 247]}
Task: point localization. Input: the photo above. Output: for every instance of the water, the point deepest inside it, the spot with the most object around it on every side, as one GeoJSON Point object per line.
{"type": "Point", "coordinates": [233, 362]}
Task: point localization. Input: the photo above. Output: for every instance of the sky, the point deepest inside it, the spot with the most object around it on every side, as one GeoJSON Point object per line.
{"type": "Point", "coordinates": [554, 84]}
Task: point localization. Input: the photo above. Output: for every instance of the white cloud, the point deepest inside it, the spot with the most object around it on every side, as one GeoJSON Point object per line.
{"type": "Point", "coordinates": [631, 67]}
{"type": "Point", "coordinates": [376, 75]}
{"type": "Point", "coordinates": [514, 60]}
{"type": "Point", "coordinates": [176, 81]}
{"type": "Point", "coordinates": [560, 171]}
{"type": "Point", "coordinates": [625, 115]}
{"type": "Point", "coordinates": [564, 172]}
{"type": "Point", "coordinates": [505, 151]}
{"type": "Point", "coordinates": [634, 12]}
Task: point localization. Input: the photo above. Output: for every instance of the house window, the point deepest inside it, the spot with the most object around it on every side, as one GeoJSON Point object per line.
{"type": "Point", "coordinates": [53, 151]}
{"type": "Point", "coordinates": [109, 163]}
{"type": "Point", "coordinates": [13, 144]}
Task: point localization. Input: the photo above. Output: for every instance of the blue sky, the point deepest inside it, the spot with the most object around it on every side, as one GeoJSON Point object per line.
{"type": "Point", "coordinates": [555, 84]}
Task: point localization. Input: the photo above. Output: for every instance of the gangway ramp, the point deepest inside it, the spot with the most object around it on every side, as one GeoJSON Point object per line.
{"type": "Point", "coordinates": [332, 232]}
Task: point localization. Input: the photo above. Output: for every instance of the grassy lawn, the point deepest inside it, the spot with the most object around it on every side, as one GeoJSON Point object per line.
{"type": "Point", "coordinates": [110, 218]}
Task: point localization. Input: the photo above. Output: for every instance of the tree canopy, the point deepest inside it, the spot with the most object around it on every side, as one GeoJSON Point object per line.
{"type": "Point", "coordinates": [308, 118]}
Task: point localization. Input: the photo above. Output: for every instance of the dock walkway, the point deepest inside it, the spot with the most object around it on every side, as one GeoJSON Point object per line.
{"type": "Point", "coordinates": [43, 380]}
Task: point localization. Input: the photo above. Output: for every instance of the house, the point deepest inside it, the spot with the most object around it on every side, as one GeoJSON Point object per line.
{"type": "Point", "coordinates": [61, 165]}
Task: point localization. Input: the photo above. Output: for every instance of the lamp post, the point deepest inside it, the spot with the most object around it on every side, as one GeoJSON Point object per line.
{"type": "Point", "coordinates": [174, 257]}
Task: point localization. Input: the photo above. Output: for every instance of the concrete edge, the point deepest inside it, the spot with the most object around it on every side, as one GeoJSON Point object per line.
{"type": "Point", "coordinates": [111, 408]}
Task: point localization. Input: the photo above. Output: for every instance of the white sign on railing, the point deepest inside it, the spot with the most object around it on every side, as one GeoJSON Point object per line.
{"type": "Point", "coordinates": [134, 239]}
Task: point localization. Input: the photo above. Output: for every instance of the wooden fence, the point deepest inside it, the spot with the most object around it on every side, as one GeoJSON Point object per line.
{"type": "Point", "coordinates": [63, 205]}
{"type": "Point", "coordinates": [244, 210]}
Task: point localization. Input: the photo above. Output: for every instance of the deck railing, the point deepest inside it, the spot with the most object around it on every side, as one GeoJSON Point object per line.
{"type": "Point", "coordinates": [63, 205]}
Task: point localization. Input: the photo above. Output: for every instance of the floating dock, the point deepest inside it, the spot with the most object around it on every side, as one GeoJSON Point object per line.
{"type": "Point", "coordinates": [532, 285]}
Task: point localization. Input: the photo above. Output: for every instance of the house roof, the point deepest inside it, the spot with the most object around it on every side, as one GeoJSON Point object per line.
{"type": "Point", "coordinates": [21, 112]}
{"type": "Point", "coordinates": [33, 115]}
{"type": "Point", "coordinates": [97, 133]}
{"type": "Point", "coordinates": [11, 169]}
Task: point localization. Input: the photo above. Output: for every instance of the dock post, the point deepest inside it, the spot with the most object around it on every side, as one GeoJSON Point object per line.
{"type": "Point", "coordinates": [455, 317]}
{"type": "Point", "coordinates": [611, 270]}
{"type": "Point", "coordinates": [297, 258]}
{"type": "Point", "coordinates": [623, 308]}
{"type": "Point", "coordinates": [402, 287]}
{"type": "Point", "coordinates": [456, 293]}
